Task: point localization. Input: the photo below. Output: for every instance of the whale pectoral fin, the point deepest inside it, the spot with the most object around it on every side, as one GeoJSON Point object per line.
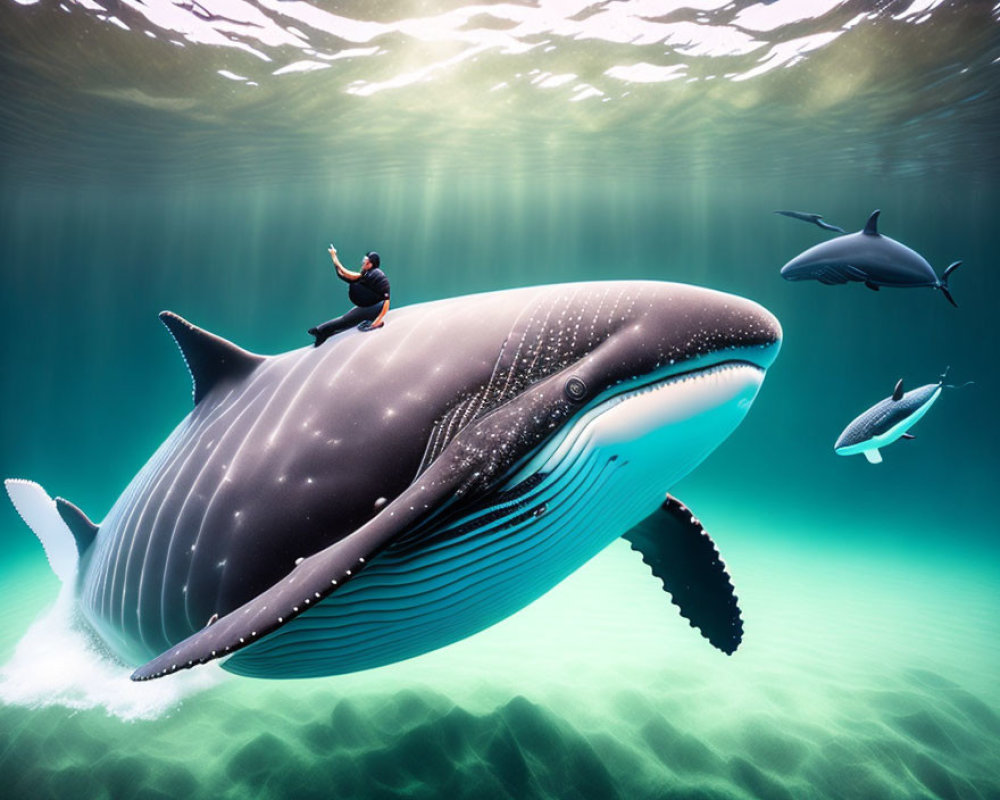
{"type": "Point", "coordinates": [683, 556]}
{"type": "Point", "coordinates": [309, 582]}
{"type": "Point", "coordinates": [873, 456]}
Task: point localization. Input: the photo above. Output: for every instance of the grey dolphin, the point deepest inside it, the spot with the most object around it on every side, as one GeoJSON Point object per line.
{"type": "Point", "coordinates": [815, 219]}
{"type": "Point", "coordinates": [325, 511]}
{"type": "Point", "coordinates": [867, 257]}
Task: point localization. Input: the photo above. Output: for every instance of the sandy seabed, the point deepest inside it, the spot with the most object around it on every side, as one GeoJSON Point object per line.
{"type": "Point", "coordinates": [886, 690]}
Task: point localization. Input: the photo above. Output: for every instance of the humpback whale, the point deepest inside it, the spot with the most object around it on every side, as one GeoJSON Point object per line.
{"type": "Point", "coordinates": [870, 258]}
{"type": "Point", "coordinates": [325, 511]}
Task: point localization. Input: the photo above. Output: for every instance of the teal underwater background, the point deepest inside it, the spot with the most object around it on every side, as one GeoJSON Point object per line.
{"type": "Point", "coordinates": [151, 158]}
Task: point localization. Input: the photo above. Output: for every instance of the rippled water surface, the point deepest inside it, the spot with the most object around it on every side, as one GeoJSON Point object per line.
{"type": "Point", "coordinates": [200, 156]}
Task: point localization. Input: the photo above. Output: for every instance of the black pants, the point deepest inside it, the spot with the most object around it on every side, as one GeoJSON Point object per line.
{"type": "Point", "coordinates": [351, 319]}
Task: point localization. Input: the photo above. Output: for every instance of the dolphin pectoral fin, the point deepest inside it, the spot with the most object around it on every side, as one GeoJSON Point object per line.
{"type": "Point", "coordinates": [908, 436]}
{"type": "Point", "coordinates": [310, 581]}
{"type": "Point", "coordinates": [873, 456]}
{"type": "Point", "coordinates": [873, 286]}
{"type": "Point", "coordinates": [683, 556]}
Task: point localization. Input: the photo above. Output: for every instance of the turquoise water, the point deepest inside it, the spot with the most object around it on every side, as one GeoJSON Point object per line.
{"type": "Point", "coordinates": [137, 177]}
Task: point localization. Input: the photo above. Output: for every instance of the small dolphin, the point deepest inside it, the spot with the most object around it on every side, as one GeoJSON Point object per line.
{"type": "Point", "coordinates": [815, 219]}
{"type": "Point", "coordinates": [869, 258]}
{"type": "Point", "coordinates": [887, 421]}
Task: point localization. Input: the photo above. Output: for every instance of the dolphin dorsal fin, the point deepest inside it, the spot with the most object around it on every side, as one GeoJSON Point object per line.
{"type": "Point", "coordinates": [79, 524]}
{"type": "Point", "coordinates": [209, 358]}
{"type": "Point", "coordinates": [897, 392]}
{"type": "Point", "coordinates": [871, 227]}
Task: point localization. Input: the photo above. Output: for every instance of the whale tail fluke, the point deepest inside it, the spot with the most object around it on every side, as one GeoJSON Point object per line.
{"type": "Point", "coordinates": [943, 282]}
{"type": "Point", "coordinates": [40, 513]}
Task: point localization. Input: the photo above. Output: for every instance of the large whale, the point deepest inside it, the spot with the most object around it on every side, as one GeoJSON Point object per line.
{"type": "Point", "coordinates": [329, 510]}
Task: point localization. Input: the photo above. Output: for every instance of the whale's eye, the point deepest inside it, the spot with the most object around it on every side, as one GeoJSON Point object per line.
{"type": "Point", "coordinates": [575, 389]}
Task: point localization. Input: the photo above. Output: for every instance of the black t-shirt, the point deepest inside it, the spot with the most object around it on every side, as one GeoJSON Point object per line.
{"type": "Point", "coordinates": [370, 289]}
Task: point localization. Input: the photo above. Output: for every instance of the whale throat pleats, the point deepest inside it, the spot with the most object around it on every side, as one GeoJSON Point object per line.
{"type": "Point", "coordinates": [210, 359]}
{"type": "Point", "coordinates": [683, 556]}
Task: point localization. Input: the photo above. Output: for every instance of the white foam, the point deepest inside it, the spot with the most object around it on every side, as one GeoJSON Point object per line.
{"type": "Point", "coordinates": [58, 664]}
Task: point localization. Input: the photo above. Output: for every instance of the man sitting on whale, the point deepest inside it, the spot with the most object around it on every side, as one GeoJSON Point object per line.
{"type": "Point", "coordinates": [369, 292]}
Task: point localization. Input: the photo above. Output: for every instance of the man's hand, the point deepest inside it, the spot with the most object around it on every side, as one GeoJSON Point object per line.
{"type": "Point", "coordinates": [367, 326]}
{"type": "Point", "coordinates": [332, 251]}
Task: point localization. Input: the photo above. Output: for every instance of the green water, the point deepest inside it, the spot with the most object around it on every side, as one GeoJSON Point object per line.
{"type": "Point", "coordinates": [133, 178]}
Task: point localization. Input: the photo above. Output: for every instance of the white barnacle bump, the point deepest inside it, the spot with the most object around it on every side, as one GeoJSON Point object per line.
{"type": "Point", "coordinates": [299, 560]}
{"type": "Point", "coordinates": [348, 572]}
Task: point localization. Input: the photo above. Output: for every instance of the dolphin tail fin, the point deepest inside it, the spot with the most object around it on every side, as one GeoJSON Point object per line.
{"type": "Point", "coordinates": [41, 514]}
{"type": "Point", "coordinates": [943, 282]}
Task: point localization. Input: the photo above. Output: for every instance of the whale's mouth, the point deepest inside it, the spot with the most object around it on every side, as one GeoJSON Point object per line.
{"type": "Point", "coordinates": [683, 413]}
{"type": "Point", "coordinates": [709, 397]}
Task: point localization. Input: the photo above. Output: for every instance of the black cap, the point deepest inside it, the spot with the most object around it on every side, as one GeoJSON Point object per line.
{"type": "Point", "coordinates": [373, 257]}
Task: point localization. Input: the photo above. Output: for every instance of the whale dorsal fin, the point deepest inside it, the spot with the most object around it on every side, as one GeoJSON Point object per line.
{"type": "Point", "coordinates": [209, 358]}
{"type": "Point", "coordinates": [79, 524]}
{"type": "Point", "coordinates": [897, 392]}
{"type": "Point", "coordinates": [871, 227]}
